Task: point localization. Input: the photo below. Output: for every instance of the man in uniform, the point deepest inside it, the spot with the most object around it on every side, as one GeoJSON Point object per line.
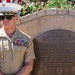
{"type": "Point", "coordinates": [16, 48]}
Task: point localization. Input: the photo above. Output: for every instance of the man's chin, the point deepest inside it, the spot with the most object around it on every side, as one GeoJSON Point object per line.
{"type": "Point", "coordinates": [6, 26]}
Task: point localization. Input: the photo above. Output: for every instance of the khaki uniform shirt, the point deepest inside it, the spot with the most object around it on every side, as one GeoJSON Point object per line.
{"type": "Point", "coordinates": [14, 51]}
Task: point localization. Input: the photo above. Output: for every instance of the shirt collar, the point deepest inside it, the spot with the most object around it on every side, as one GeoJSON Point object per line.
{"type": "Point", "coordinates": [3, 34]}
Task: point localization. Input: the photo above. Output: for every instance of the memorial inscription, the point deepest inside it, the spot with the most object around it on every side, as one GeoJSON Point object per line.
{"type": "Point", "coordinates": [55, 53]}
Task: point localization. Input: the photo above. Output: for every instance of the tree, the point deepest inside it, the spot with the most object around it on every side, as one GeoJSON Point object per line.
{"type": "Point", "coordinates": [57, 4]}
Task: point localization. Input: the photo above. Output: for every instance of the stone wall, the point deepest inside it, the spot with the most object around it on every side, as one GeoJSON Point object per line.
{"type": "Point", "coordinates": [45, 20]}
{"type": "Point", "coordinates": [55, 47]}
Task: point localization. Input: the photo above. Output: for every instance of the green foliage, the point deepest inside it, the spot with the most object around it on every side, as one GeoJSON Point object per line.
{"type": "Point", "coordinates": [37, 6]}
{"type": "Point", "coordinates": [29, 9]}
{"type": "Point", "coordinates": [57, 4]}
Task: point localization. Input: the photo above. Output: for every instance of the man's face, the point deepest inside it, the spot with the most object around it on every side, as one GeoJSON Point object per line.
{"type": "Point", "coordinates": [9, 21]}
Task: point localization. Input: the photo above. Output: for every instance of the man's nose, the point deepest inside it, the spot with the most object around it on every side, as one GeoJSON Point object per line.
{"type": "Point", "coordinates": [5, 18]}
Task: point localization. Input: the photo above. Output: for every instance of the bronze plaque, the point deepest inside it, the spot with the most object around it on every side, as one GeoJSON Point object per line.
{"type": "Point", "coordinates": [55, 53]}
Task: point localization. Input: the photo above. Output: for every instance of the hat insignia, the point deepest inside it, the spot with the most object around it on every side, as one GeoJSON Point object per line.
{"type": "Point", "coordinates": [3, 4]}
